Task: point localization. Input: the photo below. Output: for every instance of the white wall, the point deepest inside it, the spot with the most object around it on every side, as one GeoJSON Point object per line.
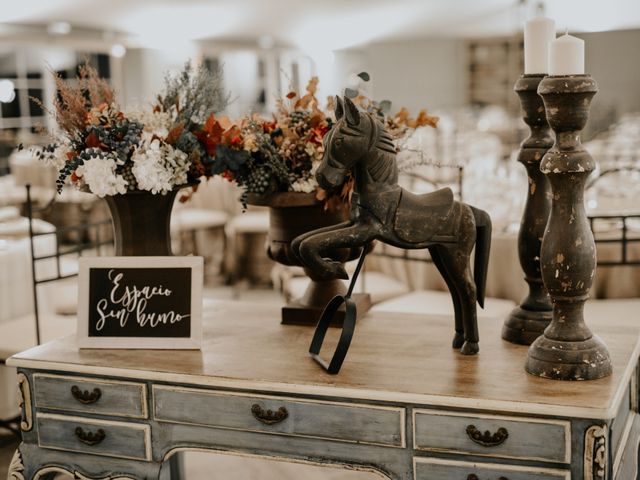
{"type": "Point", "coordinates": [613, 59]}
{"type": "Point", "coordinates": [420, 73]}
{"type": "Point", "coordinates": [144, 70]}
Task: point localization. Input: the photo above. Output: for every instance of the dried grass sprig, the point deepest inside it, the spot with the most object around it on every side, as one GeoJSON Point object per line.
{"type": "Point", "coordinates": [72, 103]}
{"type": "Point", "coordinates": [195, 93]}
{"type": "Point", "coordinates": [98, 89]}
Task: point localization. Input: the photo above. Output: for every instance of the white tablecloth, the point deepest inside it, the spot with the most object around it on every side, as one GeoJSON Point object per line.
{"type": "Point", "coordinates": [505, 278]}
{"type": "Point", "coordinates": [16, 290]}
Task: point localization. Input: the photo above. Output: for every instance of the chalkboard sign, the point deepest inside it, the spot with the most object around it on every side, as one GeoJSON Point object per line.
{"type": "Point", "coordinates": [140, 302]}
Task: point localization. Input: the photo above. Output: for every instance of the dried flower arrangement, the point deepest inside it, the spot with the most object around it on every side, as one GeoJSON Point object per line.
{"type": "Point", "coordinates": [400, 124]}
{"type": "Point", "coordinates": [279, 155]}
{"type": "Point", "coordinates": [106, 151]}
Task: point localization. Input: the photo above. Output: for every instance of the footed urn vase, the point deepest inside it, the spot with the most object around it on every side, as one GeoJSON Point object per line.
{"type": "Point", "coordinates": [291, 214]}
{"type": "Point", "coordinates": [141, 222]}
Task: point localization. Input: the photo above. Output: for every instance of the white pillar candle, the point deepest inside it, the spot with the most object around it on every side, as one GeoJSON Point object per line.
{"type": "Point", "coordinates": [566, 56]}
{"type": "Point", "coordinates": [538, 33]}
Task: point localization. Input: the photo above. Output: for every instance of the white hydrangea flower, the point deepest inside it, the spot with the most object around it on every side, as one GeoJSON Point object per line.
{"type": "Point", "coordinates": [176, 160]}
{"type": "Point", "coordinates": [158, 168]}
{"type": "Point", "coordinates": [310, 149]}
{"type": "Point", "coordinates": [99, 174]}
{"type": "Point", "coordinates": [251, 143]}
{"type": "Point", "coordinates": [149, 170]}
{"type": "Point", "coordinates": [154, 123]}
{"type": "Point", "coordinates": [305, 185]}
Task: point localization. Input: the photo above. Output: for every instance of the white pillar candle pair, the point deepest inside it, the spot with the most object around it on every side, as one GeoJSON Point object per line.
{"type": "Point", "coordinates": [545, 54]}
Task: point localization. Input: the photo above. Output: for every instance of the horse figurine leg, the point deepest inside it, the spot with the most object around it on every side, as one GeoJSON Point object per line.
{"type": "Point", "coordinates": [295, 243]}
{"type": "Point", "coordinates": [466, 288]}
{"type": "Point", "coordinates": [436, 256]}
{"type": "Point", "coordinates": [456, 260]}
{"type": "Point", "coordinates": [311, 247]}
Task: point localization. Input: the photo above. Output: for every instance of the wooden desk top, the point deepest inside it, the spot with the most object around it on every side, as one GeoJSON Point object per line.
{"type": "Point", "coordinates": [397, 358]}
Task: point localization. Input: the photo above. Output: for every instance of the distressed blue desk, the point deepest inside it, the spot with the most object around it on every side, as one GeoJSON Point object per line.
{"type": "Point", "coordinates": [405, 404]}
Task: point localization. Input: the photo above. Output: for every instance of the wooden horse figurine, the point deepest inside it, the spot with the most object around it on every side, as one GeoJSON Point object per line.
{"type": "Point", "coordinates": [359, 145]}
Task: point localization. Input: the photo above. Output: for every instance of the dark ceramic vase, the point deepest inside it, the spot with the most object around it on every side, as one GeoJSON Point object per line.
{"type": "Point", "coordinates": [291, 214]}
{"type": "Point", "coordinates": [141, 222]}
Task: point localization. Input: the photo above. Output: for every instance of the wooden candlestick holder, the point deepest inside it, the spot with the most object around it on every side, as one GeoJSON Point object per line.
{"type": "Point", "coordinates": [527, 321]}
{"type": "Point", "coordinates": [568, 350]}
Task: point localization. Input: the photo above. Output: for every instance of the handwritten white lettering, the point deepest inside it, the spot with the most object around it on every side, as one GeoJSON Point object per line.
{"type": "Point", "coordinates": [125, 300]}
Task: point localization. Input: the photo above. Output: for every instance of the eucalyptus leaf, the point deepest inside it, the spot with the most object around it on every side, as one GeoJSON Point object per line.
{"type": "Point", "coordinates": [229, 159]}
{"type": "Point", "coordinates": [385, 106]}
{"type": "Point", "coordinates": [364, 76]}
{"type": "Point", "coordinates": [350, 93]}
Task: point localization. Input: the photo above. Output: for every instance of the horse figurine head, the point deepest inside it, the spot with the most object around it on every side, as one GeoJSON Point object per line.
{"type": "Point", "coordinates": [358, 145]}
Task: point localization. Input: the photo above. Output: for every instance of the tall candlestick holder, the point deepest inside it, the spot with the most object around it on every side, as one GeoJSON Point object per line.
{"type": "Point", "coordinates": [568, 350]}
{"type": "Point", "coordinates": [527, 321]}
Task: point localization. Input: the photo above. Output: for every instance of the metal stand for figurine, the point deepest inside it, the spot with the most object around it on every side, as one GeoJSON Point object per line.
{"type": "Point", "coordinates": [327, 318]}
{"type": "Point", "coordinates": [568, 350]}
{"type": "Point", "coordinates": [527, 321]}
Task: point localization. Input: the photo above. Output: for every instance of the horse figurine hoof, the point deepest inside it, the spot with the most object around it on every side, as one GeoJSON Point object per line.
{"type": "Point", "coordinates": [341, 272]}
{"type": "Point", "coordinates": [470, 348]}
{"type": "Point", "coordinates": [458, 340]}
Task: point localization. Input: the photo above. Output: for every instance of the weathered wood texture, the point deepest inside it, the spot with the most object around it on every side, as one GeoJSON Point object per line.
{"type": "Point", "coordinates": [567, 350]}
{"type": "Point", "coordinates": [245, 347]}
{"type": "Point", "coordinates": [442, 431]}
{"type": "Point", "coordinates": [93, 396]}
{"type": "Point", "coordinates": [253, 391]}
{"type": "Point", "coordinates": [121, 440]}
{"type": "Point", "coordinates": [353, 423]}
{"type": "Point", "coordinates": [433, 469]}
{"type": "Point", "coordinates": [529, 319]}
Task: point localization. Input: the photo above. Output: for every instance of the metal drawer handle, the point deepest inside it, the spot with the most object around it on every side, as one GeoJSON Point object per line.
{"type": "Point", "coordinates": [89, 437]}
{"type": "Point", "coordinates": [473, 476]}
{"type": "Point", "coordinates": [487, 439]}
{"type": "Point", "coordinates": [269, 417]}
{"type": "Point", "coordinates": [86, 396]}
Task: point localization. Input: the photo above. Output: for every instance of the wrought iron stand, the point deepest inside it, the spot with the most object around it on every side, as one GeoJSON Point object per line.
{"type": "Point", "coordinates": [568, 350]}
{"type": "Point", "coordinates": [527, 321]}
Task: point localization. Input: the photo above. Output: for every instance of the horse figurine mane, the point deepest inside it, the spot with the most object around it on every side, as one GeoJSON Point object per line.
{"type": "Point", "coordinates": [359, 145]}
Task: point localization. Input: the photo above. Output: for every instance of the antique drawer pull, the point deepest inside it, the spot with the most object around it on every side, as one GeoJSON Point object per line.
{"type": "Point", "coordinates": [86, 396]}
{"type": "Point", "coordinates": [89, 437]}
{"type": "Point", "coordinates": [269, 417]}
{"type": "Point", "coordinates": [487, 439]}
{"type": "Point", "coordinates": [473, 476]}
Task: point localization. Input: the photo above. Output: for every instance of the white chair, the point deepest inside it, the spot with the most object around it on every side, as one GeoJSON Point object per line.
{"type": "Point", "coordinates": [293, 283]}
{"type": "Point", "coordinates": [201, 231]}
{"type": "Point", "coordinates": [246, 248]}
{"type": "Point", "coordinates": [434, 302]}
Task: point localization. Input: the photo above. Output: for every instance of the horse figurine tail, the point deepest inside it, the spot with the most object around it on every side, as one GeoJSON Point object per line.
{"type": "Point", "coordinates": [483, 246]}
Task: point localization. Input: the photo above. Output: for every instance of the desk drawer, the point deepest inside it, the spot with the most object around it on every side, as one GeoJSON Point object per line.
{"type": "Point", "coordinates": [493, 435]}
{"type": "Point", "coordinates": [100, 437]}
{"type": "Point", "coordinates": [438, 469]}
{"type": "Point", "coordinates": [337, 421]}
{"type": "Point", "coordinates": [78, 394]}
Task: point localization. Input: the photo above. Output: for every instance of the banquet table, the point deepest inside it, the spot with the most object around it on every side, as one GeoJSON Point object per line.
{"type": "Point", "coordinates": [16, 292]}
{"type": "Point", "coordinates": [16, 296]}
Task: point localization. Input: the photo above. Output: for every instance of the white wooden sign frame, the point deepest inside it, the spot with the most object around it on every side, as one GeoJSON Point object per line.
{"type": "Point", "coordinates": [193, 342]}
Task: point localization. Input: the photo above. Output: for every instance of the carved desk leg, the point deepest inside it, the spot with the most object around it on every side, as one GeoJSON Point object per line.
{"type": "Point", "coordinates": [31, 462]}
{"type": "Point", "coordinates": [529, 319]}
{"type": "Point", "coordinates": [595, 452]}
